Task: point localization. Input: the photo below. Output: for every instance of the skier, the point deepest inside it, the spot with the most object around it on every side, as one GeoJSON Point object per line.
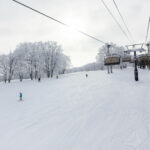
{"type": "Point", "coordinates": [86, 75]}
{"type": "Point", "coordinates": [20, 95]}
{"type": "Point", "coordinates": [39, 79]}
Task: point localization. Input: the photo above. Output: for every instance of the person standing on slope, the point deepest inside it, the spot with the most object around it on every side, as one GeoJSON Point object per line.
{"type": "Point", "coordinates": [20, 95]}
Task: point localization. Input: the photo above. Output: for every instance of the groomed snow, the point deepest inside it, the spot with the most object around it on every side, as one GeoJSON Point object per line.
{"type": "Point", "coordinates": [101, 112]}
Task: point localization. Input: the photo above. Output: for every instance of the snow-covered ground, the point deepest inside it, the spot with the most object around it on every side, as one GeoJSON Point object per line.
{"type": "Point", "coordinates": [101, 112]}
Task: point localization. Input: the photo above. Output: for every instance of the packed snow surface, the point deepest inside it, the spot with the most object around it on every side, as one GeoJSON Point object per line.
{"type": "Point", "coordinates": [101, 112]}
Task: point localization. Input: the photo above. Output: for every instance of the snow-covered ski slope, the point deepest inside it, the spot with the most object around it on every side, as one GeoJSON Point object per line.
{"type": "Point", "coordinates": [101, 112]}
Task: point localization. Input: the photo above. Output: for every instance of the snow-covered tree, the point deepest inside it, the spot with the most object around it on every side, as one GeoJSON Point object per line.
{"type": "Point", "coordinates": [29, 56]}
{"type": "Point", "coordinates": [33, 60]}
{"type": "Point", "coordinates": [21, 66]}
{"type": "Point", "coordinates": [64, 64]}
{"type": "Point", "coordinates": [12, 62]}
{"type": "Point", "coordinates": [4, 67]}
{"type": "Point", "coordinates": [54, 60]}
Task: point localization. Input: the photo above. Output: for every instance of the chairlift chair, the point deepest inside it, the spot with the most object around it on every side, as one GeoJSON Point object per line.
{"type": "Point", "coordinates": [112, 60]}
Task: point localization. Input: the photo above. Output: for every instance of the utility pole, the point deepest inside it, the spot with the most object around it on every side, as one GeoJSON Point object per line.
{"type": "Point", "coordinates": [135, 67]}
{"type": "Point", "coordinates": [135, 59]}
{"type": "Point", "coordinates": [111, 71]}
{"type": "Point", "coordinates": [148, 47]}
{"type": "Point", "coordinates": [108, 54]}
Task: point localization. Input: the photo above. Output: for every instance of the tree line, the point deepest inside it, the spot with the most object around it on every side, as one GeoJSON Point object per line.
{"type": "Point", "coordinates": [34, 61]}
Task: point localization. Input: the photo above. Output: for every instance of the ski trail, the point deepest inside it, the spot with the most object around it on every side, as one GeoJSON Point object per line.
{"type": "Point", "coordinates": [108, 112]}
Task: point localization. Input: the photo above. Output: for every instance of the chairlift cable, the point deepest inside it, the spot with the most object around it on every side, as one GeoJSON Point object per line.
{"type": "Point", "coordinates": [60, 22]}
{"type": "Point", "coordinates": [121, 16]}
{"type": "Point", "coordinates": [111, 14]}
{"type": "Point", "coordinates": [147, 30]}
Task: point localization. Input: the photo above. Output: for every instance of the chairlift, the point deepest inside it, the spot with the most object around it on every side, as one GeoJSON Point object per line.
{"type": "Point", "coordinates": [126, 59]}
{"type": "Point", "coordinates": [144, 60]}
{"type": "Point", "coordinates": [132, 60]}
{"type": "Point", "coordinates": [112, 60]}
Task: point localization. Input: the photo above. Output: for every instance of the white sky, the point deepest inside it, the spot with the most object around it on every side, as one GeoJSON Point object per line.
{"type": "Point", "coordinates": [18, 24]}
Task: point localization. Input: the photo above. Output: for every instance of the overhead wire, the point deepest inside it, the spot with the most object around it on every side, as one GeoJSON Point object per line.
{"type": "Point", "coordinates": [111, 14]}
{"type": "Point", "coordinates": [147, 32]}
{"type": "Point", "coordinates": [121, 16]}
{"type": "Point", "coordinates": [60, 22]}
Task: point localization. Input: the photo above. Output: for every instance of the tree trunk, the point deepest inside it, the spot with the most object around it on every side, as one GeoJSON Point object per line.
{"type": "Point", "coordinates": [48, 74]}
{"type": "Point", "coordinates": [31, 75]}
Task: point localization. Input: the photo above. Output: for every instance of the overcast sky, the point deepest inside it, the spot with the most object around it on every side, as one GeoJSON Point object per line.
{"type": "Point", "coordinates": [18, 24]}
